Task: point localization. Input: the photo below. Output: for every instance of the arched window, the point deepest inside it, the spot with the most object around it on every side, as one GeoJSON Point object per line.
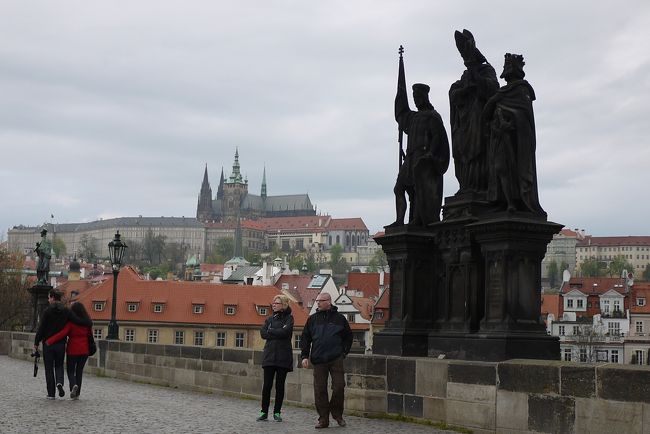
{"type": "Point", "coordinates": [338, 239]}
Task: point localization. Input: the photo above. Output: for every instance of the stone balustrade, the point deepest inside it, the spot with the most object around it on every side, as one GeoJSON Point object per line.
{"type": "Point", "coordinates": [515, 396]}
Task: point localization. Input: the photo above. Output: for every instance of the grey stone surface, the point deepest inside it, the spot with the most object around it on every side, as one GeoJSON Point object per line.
{"type": "Point", "coordinates": [115, 406]}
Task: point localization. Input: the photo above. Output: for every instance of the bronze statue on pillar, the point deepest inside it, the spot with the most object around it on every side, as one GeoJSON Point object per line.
{"type": "Point", "coordinates": [467, 97]}
{"type": "Point", "coordinates": [469, 286]}
{"type": "Point", "coordinates": [427, 155]}
{"type": "Point", "coordinates": [512, 169]}
{"type": "Point", "coordinates": [40, 290]}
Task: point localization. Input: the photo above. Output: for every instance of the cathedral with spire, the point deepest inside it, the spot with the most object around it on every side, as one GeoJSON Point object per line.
{"type": "Point", "coordinates": [233, 200]}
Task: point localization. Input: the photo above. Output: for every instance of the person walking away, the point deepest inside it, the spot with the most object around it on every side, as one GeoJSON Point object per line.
{"type": "Point", "coordinates": [277, 360]}
{"type": "Point", "coordinates": [77, 350]}
{"type": "Point", "coordinates": [53, 319]}
{"type": "Point", "coordinates": [326, 340]}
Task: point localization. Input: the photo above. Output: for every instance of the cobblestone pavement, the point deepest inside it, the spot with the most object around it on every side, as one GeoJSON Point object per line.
{"type": "Point", "coordinates": [114, 406]}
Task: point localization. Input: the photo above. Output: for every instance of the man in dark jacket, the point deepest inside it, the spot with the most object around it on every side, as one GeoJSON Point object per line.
{"type": "Point", "coordinates": [326, 340]}
{"type": "Point", "coordinates": [52, 321]}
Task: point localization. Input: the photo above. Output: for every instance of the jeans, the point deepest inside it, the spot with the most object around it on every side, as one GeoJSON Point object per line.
{"type": "Point", "coordinates": [75, 367]}
{"type": "Point", "coordinates": [53, 356]}
{"type": "Point", "coordinates": [333, 405]}
{"type": "Point", "coordinates": [280, 377]}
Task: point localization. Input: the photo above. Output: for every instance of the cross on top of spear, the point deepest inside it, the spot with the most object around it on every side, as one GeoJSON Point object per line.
{"type": "Point", "coordinates": [401, 51]}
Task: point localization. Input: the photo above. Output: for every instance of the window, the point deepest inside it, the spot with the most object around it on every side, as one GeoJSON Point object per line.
{"type": "Point", "coordinates": [614, 328]}
{"type": "Point", "coordinates": [132, 307]}
{"type": "Point", "coordinates": [285, 245]}
{"type": "Point", "coordinates": [230, 310]}
{"type": "Point", "coordinates": [296, 341]}
{"type": "Point", "coordinates": [179, 337]}
{"type": "Point", "coordinates": [129, 335]}
{"type": "Point", "coordinates": [157, 307]}
{"type": "Point", "coordinates": [569, 303]}
{"type": "Point", "coordinates": [613, 356]}
{"type": "Point", "coordinates": [198, 339]}
{"type": "Point", "coordinates": [97, 333]}
{"type": "Point", "coordinates": [561, 330]}
{"type": "Point", "coordinates": [640, 360]}
{"type": "Point", "coordinates": [221, 339]}
{"type": "Point", "coordinates": [576, 330]}
{"type": "Point", "coordinates": [583, 355]}
{"type": "Point", "coordinates": [300, 244]}
{"type": "Point", "coordinates": [350, 317]}
{"type": "Point", "coordinates": [567, 354]}
{"type": "Point", "coordinates": [239, 340]}
{"type": "Point", "coordinates": [604, 306]}
{"type": "Point", "coordinates": [152, 336]}
{"type": "Point", "coordinates": [198, 308]}
{"type": "Point", "coordinates": [580, 303]}
{"type": "Point", "coordinates": [98, 306]}
{"type": "Point", "coordinates": [617, 305]}
{"type": "Point", "coordinates": [264, 311]}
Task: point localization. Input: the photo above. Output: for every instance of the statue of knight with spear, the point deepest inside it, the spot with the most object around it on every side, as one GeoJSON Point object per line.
{"type": "Point", "coordinates": [426, 159]}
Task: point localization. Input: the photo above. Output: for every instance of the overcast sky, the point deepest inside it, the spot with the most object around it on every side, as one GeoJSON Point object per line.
{"type": "Point", "coordinates": [113, 108]}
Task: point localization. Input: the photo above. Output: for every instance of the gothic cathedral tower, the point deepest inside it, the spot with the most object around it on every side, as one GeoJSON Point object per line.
{"type": "Point", "coordinates": [235, 190]}
{"type": "Point", "coordinates": [204, 211]}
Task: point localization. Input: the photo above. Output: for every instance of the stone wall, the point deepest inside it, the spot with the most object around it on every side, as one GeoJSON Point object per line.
{"type": "Point", "coordinates": [516, 396]}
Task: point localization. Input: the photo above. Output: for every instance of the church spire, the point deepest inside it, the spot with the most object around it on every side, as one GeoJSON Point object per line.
{"type": "Point", "coordinates": [264, 183]}
{"type": "Point", "coordinates": [220, 188]}
{"type": "Point", "coordinates": [204, 205]}
{"type": "Point", "coordinates": [235, 177]}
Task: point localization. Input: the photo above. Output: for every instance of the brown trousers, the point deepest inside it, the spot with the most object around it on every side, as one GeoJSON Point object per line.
{"type": "Point", "coordinates": [325, 405]}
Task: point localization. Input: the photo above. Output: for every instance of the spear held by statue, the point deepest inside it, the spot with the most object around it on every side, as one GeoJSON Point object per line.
{"type": "Point", "coordinates": [401, 86]}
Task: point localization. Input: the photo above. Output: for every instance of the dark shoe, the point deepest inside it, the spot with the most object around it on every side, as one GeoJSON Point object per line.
{"type": "Point", "coordinates": [262, 416]}
{"type": "Point", "coordinates": [74, 393]}
{"type": "Point", "coordinates": [277, 417]}
{"type": "Point", "coordinates": [59, 386]}
{"type": "Point", "coordinates": [341, 421]}
{"type": "Point", "coordinates": [320, 425]}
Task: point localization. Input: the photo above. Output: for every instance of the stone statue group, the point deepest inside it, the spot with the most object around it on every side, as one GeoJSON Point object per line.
{"type": "Point", "coordinates": [492, 136]}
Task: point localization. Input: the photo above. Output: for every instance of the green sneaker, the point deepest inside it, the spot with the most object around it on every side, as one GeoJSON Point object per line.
{"type": "Point", "coordinates": [262, 416]}
{"type": "Point", "coordinates": [277, 417]}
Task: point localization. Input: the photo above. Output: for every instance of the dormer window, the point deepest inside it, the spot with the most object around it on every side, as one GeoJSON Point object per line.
{"type": "Point", "coordinates": [230, 310]}
{"type": "Point", "coordinates": [198, 308]}
{"type": "Point", "coordinates": [98, 306]}
{"type": "Point", "coordinates": [158, 307]}
{"type": "Point", "coordinates": [640, 301]}
{"type": "Point", "coordinates": [263, 310]}
{"type": "Point", "coordinates": [132, 307]}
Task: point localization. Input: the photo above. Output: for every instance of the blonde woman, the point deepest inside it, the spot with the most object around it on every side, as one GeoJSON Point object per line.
{"type": "Point", "coordinates": [277, 359]}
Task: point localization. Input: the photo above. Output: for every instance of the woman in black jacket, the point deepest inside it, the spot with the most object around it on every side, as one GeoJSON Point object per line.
{"type": "Point", "coordinates": [277, 359]}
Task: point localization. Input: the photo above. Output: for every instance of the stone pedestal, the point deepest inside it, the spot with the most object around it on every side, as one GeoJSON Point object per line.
{"type": "Point", "coordinates": [39, 294]}
{"type": "Point", "coordinates": [415, 273]}
{"type": "Point", "coordinates": [493, 265]}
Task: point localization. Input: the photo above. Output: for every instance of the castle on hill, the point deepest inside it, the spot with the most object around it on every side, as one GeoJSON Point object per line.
{"type": "Point", "coordinates": [233, 200]}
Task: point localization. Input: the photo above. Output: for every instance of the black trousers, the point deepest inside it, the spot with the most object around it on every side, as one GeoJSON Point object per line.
{"type": "Point", "coordinates": [280, 375]}
{"type": "Point", "coordinates": [53, 356]}
{"type": "Point", "coordinates": [324, 404]}
{"type": "Point", "coordinates": [75, 367]}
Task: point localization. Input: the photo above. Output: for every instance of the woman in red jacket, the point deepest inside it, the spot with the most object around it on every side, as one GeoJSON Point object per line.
{"type": "Point", "coordinates": [77, 349]}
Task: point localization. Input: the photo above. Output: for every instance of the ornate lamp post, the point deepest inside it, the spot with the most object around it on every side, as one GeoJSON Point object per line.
{"type": "Point", "coordinates": [116, 250]}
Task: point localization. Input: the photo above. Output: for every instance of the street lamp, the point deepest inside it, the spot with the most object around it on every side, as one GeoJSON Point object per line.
{"type": "Point", "coordinates": [116, 250]}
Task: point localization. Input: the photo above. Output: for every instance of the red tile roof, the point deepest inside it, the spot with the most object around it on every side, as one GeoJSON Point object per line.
{"type": "Point", "coordinates": [614, 241]}
{"type": "Point", "coordinates": [569, 233]}
{"type": "Point", "coordinates": [211, 268]}
{"type": "Point", "coordinates": [178, 296]}
{"type": "Point", "coordinates": [368, 283]}
{"type": "Point", "coordinates": [354, 224]}
{"type": "Point", "coordinates": [551, 305]}
{"type": "Point", "coordinates": [297, 287]}
{"type": "Point", "coordinates": [586, 285]}
{"type": "Point", "coordinates": [640, 290]}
